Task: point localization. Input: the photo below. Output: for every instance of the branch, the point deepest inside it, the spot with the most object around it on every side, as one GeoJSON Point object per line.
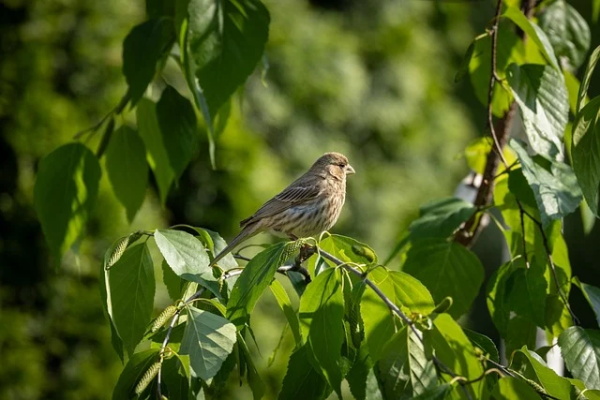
{"type": "Point", "coordinates": [500, 134]}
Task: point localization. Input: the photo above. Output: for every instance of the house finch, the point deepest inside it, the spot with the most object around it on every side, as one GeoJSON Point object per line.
{"type": "Point", "coordinates": [307, 207]}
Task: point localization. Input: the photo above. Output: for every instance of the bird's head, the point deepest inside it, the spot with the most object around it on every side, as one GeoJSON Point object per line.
{"type": "Point", "coordinates": [335, 164]}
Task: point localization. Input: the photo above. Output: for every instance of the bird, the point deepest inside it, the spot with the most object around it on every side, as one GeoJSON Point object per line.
{"type": "Point", "coordinates": [307, 207]}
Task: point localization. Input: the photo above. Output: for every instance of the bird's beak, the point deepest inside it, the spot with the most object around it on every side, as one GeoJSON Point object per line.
{"type": "Point", "coordinates": [350, 170]}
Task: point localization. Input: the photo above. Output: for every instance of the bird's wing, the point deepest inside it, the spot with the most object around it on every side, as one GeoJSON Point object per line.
{"type": "Point", "coordinates": [296, 193]}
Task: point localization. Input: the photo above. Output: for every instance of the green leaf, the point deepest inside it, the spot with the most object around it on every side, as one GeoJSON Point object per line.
{"type": "Point", "coordinates": [510, 49]}
{"type": "Point", "coordinates": [520, 332]}
{"type": "Point", "coordinates": [527, 295]}
{"type": "Point", "coordinates": [173, 282]}
{"type": "Point", "coordinates": [453, 348]}
{"type": "Point", "coordinates": [250, 285]}
{"type": "Point", "coordinates": [592, 295]}
{"type": "Point", "coordinates": [509, 388]}
{"type": "Point", "coordinates": [178, 127]}
{"type": "Point", "coordinates": [484, 343]}
{"type": "Point", "coordinates": [581, 350]}
{"type": "Point", "coordinates": [302, 381]}
{"type": "Point", "coordinates": [187, 257]}
{"type": "Point", "coordinates": [132, 288]}
{"type": "Point", "coordinates": [404, 371]}
{"type": "Point", "coordinates": [497, 297]}
{"type": "Point", "coordinates": [585, 152]}
{"type": "Point", "coordinates": [156, 152]}
{"type": "Point", "coordinates": [225, 40]}
{"type": "Point", "coordinates": [392, 370]}
{"type": "Point", "coordinates": [403, 290]}
{"type": "Point", "coordinates": [587, 78]}
{"type": "Point", "coordinates": [439, 392]}
{"type": "Point", "coordinates": [348, 249]}
{"type": "Point", "coordinates": [176, 378]}
{"type": "Point", "coordinates": [567, 31]}
{"type": "Point", "coordinates": [135, 369]}
{"type": "Point", "coordinates": [446, 269]}
{"type": "Point", "coordinates": [127, 169]}
{"type": "Point", "coordinates": [556, 191]}
{"type": "Point", "coordinates": [441, 218]}
{"type": "Point", "coordinates": [208, 340]}
{"type": "Point", "coordinates": [541, 94]}
{"type": "Point", "coordinates": [64, 194]}
{"type": "Point", "coordinates": [286, 306]}
{"type": "Point", "coordinates": [379, 324]}
{"type": "Point", "coordinates": [534, 32]}
{"type": "Point", "coordinates": [321, 315]}
{"type": "Point", "coordinates": [143, 48]}
{"type": "Point", "coordinates": [531, 366]}
{"type": "Point", "coordinates": [254, 380]}
{"type": "Point", "coordinates": [358, 375]}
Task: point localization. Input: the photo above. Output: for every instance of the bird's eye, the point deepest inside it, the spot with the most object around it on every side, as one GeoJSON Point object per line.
{"type": "Point", "coordinates": [341, 165]}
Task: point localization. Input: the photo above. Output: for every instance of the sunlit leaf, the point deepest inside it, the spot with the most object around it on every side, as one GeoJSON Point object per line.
{"type": "Point", "coordinates": [510, 50]}
{"type": "Point", "coordinates": [64, 194]}
{"type": "Point", "coordinates": [541, 94]}
{"type": "Point", "coordinates": [534, 32]}
{"type": "Point", "coordinates": [187, 257]}
{"type": "Point", "coordinates": [208, 340]}
{"type": "Point", "coordinates": [446, 269]}
{"type": "Point", "coordinates": [127, 169]}
{"type": "Point", "coordinates": [132, 288]}
{"type": "Point", "coordinates": [556, 191]}
{"type": "Point", "coordinates": [581, 350]}
{"type": "Point", "coordinates": [533, 367]}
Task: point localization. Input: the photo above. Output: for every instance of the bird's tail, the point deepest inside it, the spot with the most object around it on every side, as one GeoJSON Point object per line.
{"type": "Point", "coordinates": [247, 232]}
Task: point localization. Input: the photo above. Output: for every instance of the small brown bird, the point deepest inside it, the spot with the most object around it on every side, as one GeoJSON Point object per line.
{"type": "Point", "coordinates": [307, 207]}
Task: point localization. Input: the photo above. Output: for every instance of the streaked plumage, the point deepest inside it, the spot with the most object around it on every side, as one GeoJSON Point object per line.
{"type": "Point", "coordinates": [307, 207]}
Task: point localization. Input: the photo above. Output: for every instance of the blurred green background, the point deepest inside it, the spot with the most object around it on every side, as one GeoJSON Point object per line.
{"type": "Point", "coordinates": [373, 80]}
